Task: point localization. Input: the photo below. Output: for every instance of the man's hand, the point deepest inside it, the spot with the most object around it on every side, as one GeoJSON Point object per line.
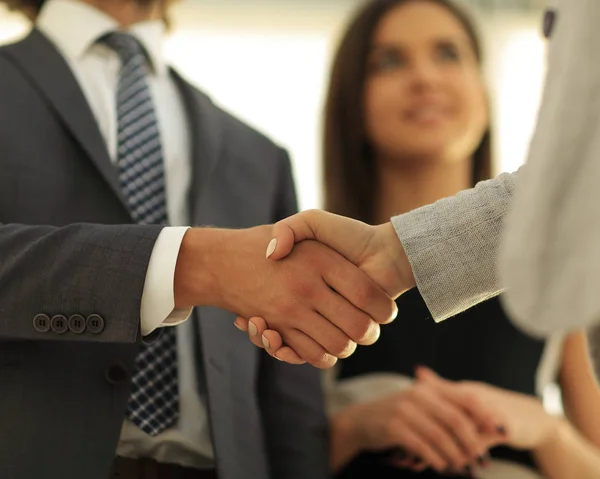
{"type": "Point", "coordinates": [376, 250]}
{"type": "Point", "coordinates": [320, 303]}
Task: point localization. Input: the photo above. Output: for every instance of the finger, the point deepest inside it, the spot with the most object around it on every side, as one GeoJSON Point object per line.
{"type": "Point", "coordinates": [439, 437]}
{"type": "Point", "coordinates": [282, 243]}
{"type": "Point", "coordinates": [273, 344]}
{"type": "Point", "coordinates": [420, 447]}
{"type": "Point", "coordinates": [361, 291]}
{"type": "Point", "coordinates": [256, 326]}
{"type": "Point", "coordinates": [288, 355]}
{"type": "Point", "coordinates": [324, 227]}
{"type": "Point", "coordinates": [241, 323]}
{"type": "Point", "coordinates": [488, 421]}
{"type": "Point", "coordinates": [292, 230]}
{"type": "Point", "coordinates": [459, 427]}
{"type": "Point", "coordinates": [308, 349]}
{"type": "Point", "coordinates": [353, 322]}
{"type": "Point", "coordinates": [271, 341]}
{"type": "Point", "coordinates": [332, 339]}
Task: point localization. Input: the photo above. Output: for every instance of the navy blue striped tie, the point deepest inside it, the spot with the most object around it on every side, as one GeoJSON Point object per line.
{"type": "Point", "coordinates": [154, 402]}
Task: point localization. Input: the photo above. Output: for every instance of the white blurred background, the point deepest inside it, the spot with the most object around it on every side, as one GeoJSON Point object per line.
{"type": "Point", "coordinates": [267, 62]}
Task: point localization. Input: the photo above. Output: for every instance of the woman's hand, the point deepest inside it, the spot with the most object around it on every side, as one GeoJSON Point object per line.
{"type": "Point", "coordinates": [528, 426]}
{"type": "Point", "coordinates": [420, 421]}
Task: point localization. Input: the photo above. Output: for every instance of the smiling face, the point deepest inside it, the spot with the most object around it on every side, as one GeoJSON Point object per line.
{"type": "Point", "coordinates": [424, 96]}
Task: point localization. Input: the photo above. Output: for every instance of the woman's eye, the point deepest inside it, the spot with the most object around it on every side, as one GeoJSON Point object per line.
{"type": "Point", "coordinates": [448, 53]}
{"type": "Point", "coordinates": [386, 61]}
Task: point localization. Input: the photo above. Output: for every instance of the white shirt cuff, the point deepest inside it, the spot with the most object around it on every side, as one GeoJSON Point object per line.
{"type": "Point", "coordinates": [158, 297]}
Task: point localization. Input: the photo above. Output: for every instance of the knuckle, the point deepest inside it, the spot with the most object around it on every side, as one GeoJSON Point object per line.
{"type": "Point", "coordinates": [302, 289]}
{"type": "Point", "coordinates": [363, 329]}
{"type": "Point", "coordinates": [419, 391]}
{"type": "Point", "coordinates": [318, 359]}
{"type": "Point", "coordinates": [344, 349]}
{"type": "Point", "coordinates": [286, 310]}
{"type": "Point", "coordinates": [472, 402]}
{"type": "Point", "coordinates": [364, 295]}
{"type": "Point", "coordinates": [456, 421]}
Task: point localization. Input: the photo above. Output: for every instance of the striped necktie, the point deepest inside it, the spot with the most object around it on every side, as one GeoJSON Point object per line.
{"type": "Point", "coordinates": [154, 402]}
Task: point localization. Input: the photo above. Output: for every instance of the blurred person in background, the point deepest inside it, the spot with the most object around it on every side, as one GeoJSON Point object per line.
{"type": "Point", "coordinates": [96, 127]}
{"type": "Point", "coordinates": [407, 123]}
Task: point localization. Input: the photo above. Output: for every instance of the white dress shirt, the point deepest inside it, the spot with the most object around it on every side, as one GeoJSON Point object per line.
{"type": "Point", "coordinates": [74, 27]}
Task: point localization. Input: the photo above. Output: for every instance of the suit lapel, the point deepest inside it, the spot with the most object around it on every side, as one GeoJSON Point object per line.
{"type": "Point", "coordinates": [50, 74]}
{"type": "Point", "coordinates": [205, 123]}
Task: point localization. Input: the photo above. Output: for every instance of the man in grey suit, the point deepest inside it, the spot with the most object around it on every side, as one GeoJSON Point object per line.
{"type": "Point", "coordinates": [98, 133]}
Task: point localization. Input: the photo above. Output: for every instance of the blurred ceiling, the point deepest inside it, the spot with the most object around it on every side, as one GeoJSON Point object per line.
{"type": "Point", "coordinates": [524, 5]}
{"type": "Point", "coordinates": [498, 5]}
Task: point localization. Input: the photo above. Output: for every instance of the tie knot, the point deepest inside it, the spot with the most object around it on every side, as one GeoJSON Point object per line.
{"type": "Point", "coordinates": [124, 44]}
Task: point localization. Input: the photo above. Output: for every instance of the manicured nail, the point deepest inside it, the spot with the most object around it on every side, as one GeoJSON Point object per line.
{"type": "Point", "coordinates": [239, 327]}
{"type": "Point", "coordinates": [395, 312]}
{"type": "Point", "coordinates": [271, 247]}
{"type": "Point", "coordinates": [265, 342]}
{"type": "Point", "coordinates": [277, 358]}
{"type": "Point", "coordinates": [252, 329]}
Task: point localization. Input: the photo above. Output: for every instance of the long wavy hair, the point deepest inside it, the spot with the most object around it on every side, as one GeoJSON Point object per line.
{"type": "Point", "coordinates": [349, 170]}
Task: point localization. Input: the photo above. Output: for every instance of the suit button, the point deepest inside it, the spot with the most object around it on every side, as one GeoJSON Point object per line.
{"type": "Point", "coordinates": [77, 324]}
{"type": "Point", "coordinates": [41, 323]}
{"type": "Point", "coordinates": [95, 323]}
{"type": "Point", "coordinates": [59, 324]}
{"type": "Point", "coordinates": [116, 374]}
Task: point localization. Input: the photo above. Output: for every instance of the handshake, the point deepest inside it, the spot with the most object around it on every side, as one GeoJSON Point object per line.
{"type": "Point", "coordinates": [326, 285]}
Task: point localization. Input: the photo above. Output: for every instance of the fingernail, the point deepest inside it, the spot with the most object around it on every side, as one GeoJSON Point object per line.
{"type": "Point", "coordinates": [239, 327]}
{"type": "Point", "coordinates": [252, 329]}
{"type": "Point", "coordinates": [271, 247]}
{"type": "Point", "coordinates": [277, 358]}
{"type": "Point", "coordinates": [395, 312]}
{"type": "Point", "coordinates": [265, 342]}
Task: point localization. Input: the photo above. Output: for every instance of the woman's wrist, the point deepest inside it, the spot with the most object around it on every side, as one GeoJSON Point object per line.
{"type": "Point", "coordinates": [555, 431]}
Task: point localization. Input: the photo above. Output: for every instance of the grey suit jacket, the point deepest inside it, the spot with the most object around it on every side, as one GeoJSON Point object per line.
{"type": "Point", "coordinates": [64, 392]}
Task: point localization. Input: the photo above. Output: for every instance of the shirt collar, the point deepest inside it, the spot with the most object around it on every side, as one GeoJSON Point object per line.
{"type": "Point", "coordinates": [74, 27]}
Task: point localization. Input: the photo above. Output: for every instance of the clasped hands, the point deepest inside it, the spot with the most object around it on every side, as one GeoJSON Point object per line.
{"type": "Point", "coordinates": [326, 286]}
{"type": "Point", "coordinates": [358, 271]}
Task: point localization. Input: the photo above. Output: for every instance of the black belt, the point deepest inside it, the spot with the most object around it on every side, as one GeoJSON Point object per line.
{"type": "Point", "coordinates": [125, 468]}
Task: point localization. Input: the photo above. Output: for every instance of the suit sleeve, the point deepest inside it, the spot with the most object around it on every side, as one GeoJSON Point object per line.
{"type": "Point", "coordinates": [93, 274]}
{"type": "Point", "coordinates": [291, 396]}
{"type": "Point", "coordinates": [452, 245]}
